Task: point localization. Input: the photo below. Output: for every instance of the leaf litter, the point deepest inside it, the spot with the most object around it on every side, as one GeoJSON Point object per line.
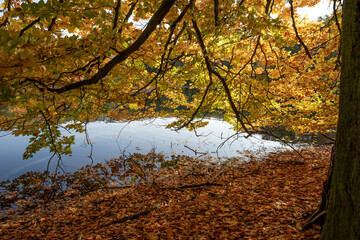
{"type": "Point", "coordinates": [180, 198]}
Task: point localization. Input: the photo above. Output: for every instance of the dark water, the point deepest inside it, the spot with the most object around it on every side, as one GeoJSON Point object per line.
{"type": "Point", "coordinates": [111, 140]}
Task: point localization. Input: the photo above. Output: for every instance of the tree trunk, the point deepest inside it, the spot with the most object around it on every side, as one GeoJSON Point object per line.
{"type": "Point", "coordinates": [343, 215]}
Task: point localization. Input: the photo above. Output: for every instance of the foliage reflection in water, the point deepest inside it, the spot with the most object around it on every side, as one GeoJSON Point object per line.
{"type": "Point", "coordinates": [114, 139]}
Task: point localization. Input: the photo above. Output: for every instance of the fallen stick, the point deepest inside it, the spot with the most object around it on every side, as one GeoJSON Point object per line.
{"type": "Point", "coordinates": [194, 186]}
{"type": "Point", "coordinates": [133, 216]}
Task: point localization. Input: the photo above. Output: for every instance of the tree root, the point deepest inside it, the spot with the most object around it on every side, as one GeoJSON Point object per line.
{"type": "Point", "coordinates": [318, 216]}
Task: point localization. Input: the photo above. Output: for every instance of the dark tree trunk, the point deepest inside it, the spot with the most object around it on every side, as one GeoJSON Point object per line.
{"type": "Point", "coordinates": [343, 214]}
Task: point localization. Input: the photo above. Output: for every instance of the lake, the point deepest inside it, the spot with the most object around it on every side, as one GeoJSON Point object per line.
{"type": "Point", "coordinates": [114, 139]}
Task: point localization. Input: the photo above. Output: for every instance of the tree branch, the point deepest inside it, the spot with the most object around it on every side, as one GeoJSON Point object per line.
{"type": "Point", "coordinates": [128, 15]}
{"type": "Point", "coordinates": [241, 2]}
{"type": "Point", "coordinates": [296, 31]}
{"type": "Point", "coordinates": [29, 26]}
{"type": "Point", "coordinates": [239, 116]}
{"type": "Point", "coordinates": [102, 72]}
{"type": "Point", "coordinates": [116, 17]}
{"type": "Point", "coordinates": [172, 29]}
{"type": "Point", "coordinates": [338, 61]}
{"type": "Point", "coordinates": [6, 21]}
{"type": "Point", "coordinates": [52, 23]}
{"type": "Point", "coordinates": [195, 186]}
{"type": "Point", "coordinates": [216, 12]}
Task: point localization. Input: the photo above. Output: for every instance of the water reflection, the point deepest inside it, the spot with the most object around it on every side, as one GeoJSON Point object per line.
{"type": "Point", "coordinates": [111, 140]}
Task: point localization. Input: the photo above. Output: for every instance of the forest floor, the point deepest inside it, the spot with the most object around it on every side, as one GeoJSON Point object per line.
{"type": "Point", "coordinates": [258, 199]}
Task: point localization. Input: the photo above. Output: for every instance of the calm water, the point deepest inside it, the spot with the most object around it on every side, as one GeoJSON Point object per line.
{"type": "Point", "coordinates": [111, 140]}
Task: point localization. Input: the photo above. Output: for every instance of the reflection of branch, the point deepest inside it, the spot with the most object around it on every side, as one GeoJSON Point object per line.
{"type": "Point", "coordinates": [195, 151]}
{"type": "Point", "coordinates": [296, 31]}
{"type": "Point", "coordinates": [89, 142]}
{"type": "Point", "coordinates": [56, 152]}
{"type": "Point", "coordinates": [226, 140]}
{"type": "Point", "coordinates": [117, 140]}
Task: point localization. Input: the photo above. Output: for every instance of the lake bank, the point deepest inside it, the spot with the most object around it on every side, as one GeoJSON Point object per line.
{"type": "Point", "coordinates": [256, 199]}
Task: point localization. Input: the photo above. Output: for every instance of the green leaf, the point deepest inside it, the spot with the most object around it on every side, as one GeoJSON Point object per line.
{"type": "Point", "coordinates": [25, 6]}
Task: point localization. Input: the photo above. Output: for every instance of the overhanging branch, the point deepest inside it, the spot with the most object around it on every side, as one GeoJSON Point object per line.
{"type": "Point", "coordinates": [123, 55]}
{"type": "Point", "coordinates": [239, 116]}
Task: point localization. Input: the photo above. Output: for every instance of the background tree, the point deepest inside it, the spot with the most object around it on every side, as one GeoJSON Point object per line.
{"type": "Point", "coordinates": [343, 215]}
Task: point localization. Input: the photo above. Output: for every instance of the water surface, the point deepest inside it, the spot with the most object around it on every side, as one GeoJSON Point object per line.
{"type": "Point", "coordinates": [111, 140]}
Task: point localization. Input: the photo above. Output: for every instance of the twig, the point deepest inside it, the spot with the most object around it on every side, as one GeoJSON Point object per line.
{"type": "Point", "coordinates": [194, 186]}
{"type": "Point", "coordinates": [29, 26]}
{"type": "Point", "coordinates": [133, 216]}
{"type": "Point", "coordinates": [296, 31]}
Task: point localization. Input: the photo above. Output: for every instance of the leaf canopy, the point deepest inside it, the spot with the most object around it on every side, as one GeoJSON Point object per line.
{"type": "Point", "coordinates": [64, 63]}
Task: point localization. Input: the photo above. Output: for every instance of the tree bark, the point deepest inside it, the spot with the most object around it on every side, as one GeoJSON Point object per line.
{"type": "Point", "coordinates": [343, 215]}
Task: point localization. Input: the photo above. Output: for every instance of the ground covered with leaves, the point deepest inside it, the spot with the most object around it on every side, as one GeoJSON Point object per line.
{"type": "Point", "coordinates": [149, 197]}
